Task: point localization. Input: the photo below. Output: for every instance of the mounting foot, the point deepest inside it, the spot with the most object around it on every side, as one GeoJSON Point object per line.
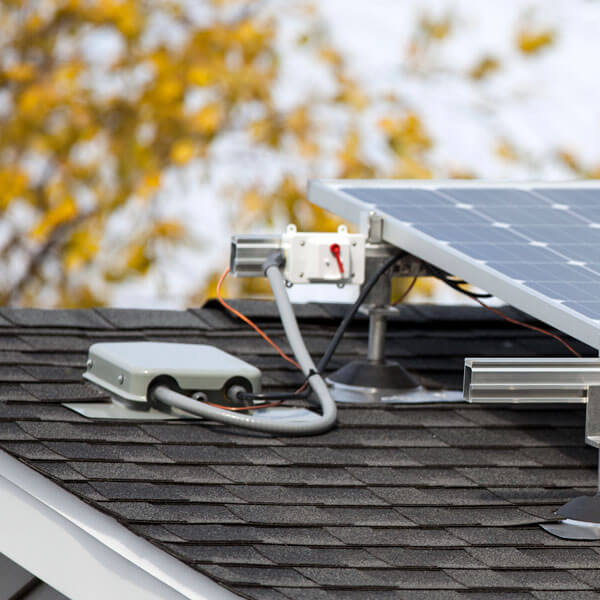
{"type": "Point", "coordinates": [582, 515]}
{"type": "Point", "coordinates": [366, 381]}
{"type": "Point", "coordinates": [581, 519]}
{"type": "Point", "coordinates": [362, 381]}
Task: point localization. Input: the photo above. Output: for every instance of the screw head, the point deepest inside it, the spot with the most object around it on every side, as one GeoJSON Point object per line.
{"type": "Point", "coordinates": [120, 379]}
{"type": "Point", "coordinates": [90, 363]}
{"type": "Point", "coordinates": [302, 243]}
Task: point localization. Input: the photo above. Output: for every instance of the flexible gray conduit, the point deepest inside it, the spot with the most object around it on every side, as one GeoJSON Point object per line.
{"type": "Point", "coordinates": [319, 424]}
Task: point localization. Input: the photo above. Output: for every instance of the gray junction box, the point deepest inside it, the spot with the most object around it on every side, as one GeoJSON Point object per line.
{"type": "Point", "coordinates": [127, 369]}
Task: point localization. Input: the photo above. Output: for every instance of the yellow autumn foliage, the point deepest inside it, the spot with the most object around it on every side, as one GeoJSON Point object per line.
{"type": "Point", "coordinates": [208, 119]}
{"type": "Point", "coordinates": [437, 29]}
{"type": "Point", "coordinates": [531, 41]}
{"type": "Point", "coordinates": [13, 184]}
{"type": "Point", "coordinates": [182, 151]}
{"type": "Point", "coordinates": [81, 248]}
{"type": "Point", "coordinates": [20, 72]}
{"type": "Point", "coordinates": [172, 230]}
{"type": "Point", "coordinates": [62, 212]}
{"type": "Point", "coordinates": [485, 67]}
{"type": "Point", "coordinates": [101, 150]}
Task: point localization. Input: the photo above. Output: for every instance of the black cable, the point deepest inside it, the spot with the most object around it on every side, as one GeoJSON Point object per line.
{"type": "Point", "coordinates": [248, 396]}
{"type": "Point", "coordinates": [456, 287]}
{"type": "Point", "coordinates": [454, 283]}
{"type": "Point", "coordinates": [369, 285]}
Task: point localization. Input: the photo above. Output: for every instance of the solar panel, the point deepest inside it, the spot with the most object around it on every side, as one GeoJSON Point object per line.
{"type": "Point", "coordinates": [534, 246]}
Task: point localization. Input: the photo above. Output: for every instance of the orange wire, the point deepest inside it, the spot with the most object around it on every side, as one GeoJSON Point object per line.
{"type": "Point", "coordinates": [533, 327]}
{"type": "Point", "coordinates": [256, 328]}
{"type": "Point", "coordinates": [407, 291]}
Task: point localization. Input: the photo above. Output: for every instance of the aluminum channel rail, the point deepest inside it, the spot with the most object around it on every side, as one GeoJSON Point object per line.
{"type": "Point", "coordinates": [530, 380]}
{"type": "Point", "coordinates": [328, 194]}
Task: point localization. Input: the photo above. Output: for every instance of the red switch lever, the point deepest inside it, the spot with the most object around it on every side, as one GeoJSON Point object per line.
{"type": "Point", "coordinates": [335, 250]}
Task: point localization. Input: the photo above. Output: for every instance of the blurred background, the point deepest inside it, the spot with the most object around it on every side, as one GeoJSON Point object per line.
{"type": "Point", "coordinates": [137, 136]}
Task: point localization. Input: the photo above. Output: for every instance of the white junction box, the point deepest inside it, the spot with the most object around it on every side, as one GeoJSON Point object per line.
{"type": "Point", "coordinates": [323, 257]}
{"type": "Point", "coordinates": [126, 369]}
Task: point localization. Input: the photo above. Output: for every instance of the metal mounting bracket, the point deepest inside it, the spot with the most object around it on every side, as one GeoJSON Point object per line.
{"type": "Point", "coordinates": [546, 381]}
{"type": "Point", "coordinates": [581, 516]}
{"type": "Point", "coordinates": [375, 379]}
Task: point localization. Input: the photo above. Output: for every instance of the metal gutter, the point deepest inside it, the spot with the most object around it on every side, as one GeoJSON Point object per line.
{"type": "Point", "coordinates": [84, 553]}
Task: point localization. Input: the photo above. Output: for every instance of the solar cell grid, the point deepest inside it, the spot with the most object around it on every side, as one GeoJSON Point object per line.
{"type": "Point", "coordinates": [550, 234]}
{"type": "Point", "coordinates": [436, 214]}
{"type": "Point", "coordinates": [588, 309]}
{"type": "Point", "coordinates": [589, 212]}
{"type": "Point", "coordinates": [584, 252]}
{"type": "Point", "coordinates": [570, 196]}
{"type": "Point", "coordinates": [472, 233]}
{"type": "Point", "coordinates": [494, 196]}
{"type": "Point", "coordinates": [531, 215]}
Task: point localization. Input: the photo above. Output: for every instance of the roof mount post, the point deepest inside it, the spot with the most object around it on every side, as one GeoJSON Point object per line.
{"type": "Point", "coordinates": [581, 516]}
{"type": "Point", "coordinates": [374, 379]}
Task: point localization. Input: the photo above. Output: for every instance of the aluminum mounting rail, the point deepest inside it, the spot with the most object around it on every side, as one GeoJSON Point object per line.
{"type": "Point", "coordinates": [530, 380]}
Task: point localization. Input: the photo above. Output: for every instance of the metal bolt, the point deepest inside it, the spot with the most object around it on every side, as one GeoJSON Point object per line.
{"type": "Point", "coordinates": [120, 379]}
{"type": "Point", "coordinates": [301, 274]}
{"type": "Point", "coordinates": [354, 243]}
{"type": "Point", "coordinates": [90, 363]}
{"type": "Point", "coordinates": [327, 263]}
{"type": "Point", "coordinates": [302, 242]}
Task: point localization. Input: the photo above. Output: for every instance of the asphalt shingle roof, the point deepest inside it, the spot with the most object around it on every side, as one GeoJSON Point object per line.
{"type": "Point", "coordinates": [428, 501]}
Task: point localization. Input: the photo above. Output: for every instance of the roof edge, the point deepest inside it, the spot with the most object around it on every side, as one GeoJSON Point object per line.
{"type": "Point", "coordinates": [84, 553]}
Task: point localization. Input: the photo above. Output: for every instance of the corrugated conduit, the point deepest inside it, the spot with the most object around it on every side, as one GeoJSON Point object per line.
{"type": "Point", "coordinates": [306, 426]}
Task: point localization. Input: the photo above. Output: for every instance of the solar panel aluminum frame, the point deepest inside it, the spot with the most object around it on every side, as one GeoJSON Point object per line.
{"type": "Point", "coordinates": [329, 194]}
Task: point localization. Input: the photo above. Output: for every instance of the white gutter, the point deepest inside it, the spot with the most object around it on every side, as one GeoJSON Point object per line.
{"type": "Point", "coordinates": [82, 552]}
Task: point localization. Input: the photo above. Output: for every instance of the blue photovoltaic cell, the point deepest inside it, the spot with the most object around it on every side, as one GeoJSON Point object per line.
{"type": "Point", "coordinates": [590, 288]}
{"type": "Point", "coordinates": [547, 238]}
{"type": "Point", "coordinates": [589, 253]}
{"type": "Point", "coordinates": [428, 215]}
{"type": "Point", "coordinates": [563, 291]}
{"type": "Point", "coordinates": [542, 272]}
{"type": "Point", "coordinates": [531, 215]}
{"type": "Point", "coordinates": [588, 309]}
{"type": "Point", "coordinates": [473, 233]}
{"type": "Point", "coordinates": [559, 235]}
{"type": "Point", "coordinates": [570, 196]}
{"type": "Point", "coordinates": [493, 197]}
{"type": "Point", "coordinates": [588, 212]}
{"type": "Point", "coordinates": [508, 253]}
{"type": "Point", "coordinates": [394, 197]}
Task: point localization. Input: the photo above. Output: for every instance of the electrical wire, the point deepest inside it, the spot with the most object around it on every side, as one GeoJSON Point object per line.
{"type": "Point", "coordinates": [456, 283]}
{"type": "Point", "coordinates": [526, 325]}
{"type": "Point", "coordinates": [367, 287]}
{"type": "Point", "coordinates": [407, 291]}
{"type": "Point", "coordinates": [244, 318]}
{"type": "Point", "coordinates": [301, 392]}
